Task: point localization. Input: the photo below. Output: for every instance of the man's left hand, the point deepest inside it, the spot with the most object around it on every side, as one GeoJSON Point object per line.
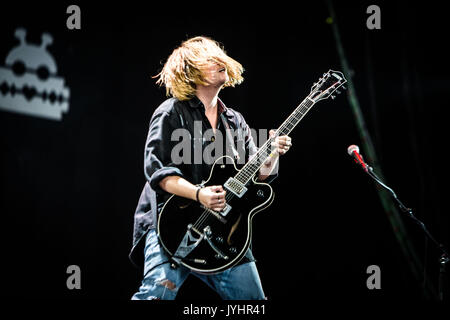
{"type": "Point", "coordinates": [282, 144]}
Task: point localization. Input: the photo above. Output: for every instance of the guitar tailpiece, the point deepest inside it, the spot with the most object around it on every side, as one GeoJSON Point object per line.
{"type": "Point", "coordinates": [174, 264]}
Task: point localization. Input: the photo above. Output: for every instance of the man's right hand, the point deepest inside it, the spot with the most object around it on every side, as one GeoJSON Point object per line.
{"type": "Point", "coordinates": [213, 197]}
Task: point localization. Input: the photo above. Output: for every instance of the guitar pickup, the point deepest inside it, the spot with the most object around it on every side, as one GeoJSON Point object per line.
{"type": "Point", "coordinates": [225, 210]}
{"type": "Point", "coordinates": [235, 186]}
{"type": "Point", "coordinates": [216, 214]}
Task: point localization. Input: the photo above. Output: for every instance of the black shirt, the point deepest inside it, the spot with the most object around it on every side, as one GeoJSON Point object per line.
{"type": "Point", "coordinates": [165, 155]}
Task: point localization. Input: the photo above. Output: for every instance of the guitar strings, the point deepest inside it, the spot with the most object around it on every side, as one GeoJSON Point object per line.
{"type": "Point", "coordinates": [291, 120]}
{"type": "Point", "coordinates": [206, 214]}
{"type": "Point", "coordinates": [306, 104]}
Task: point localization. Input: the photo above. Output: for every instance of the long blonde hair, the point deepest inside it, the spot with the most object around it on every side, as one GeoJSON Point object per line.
{"type": "Point", "coordinates": [184, 69]}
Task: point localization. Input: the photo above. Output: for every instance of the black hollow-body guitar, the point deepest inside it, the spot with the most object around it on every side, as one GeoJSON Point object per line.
{"type": "Point", "coordinates": [208, 241]}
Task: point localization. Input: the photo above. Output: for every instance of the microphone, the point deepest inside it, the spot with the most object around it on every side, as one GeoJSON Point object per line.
{"type": "Point", "coordinates": [353, 151]}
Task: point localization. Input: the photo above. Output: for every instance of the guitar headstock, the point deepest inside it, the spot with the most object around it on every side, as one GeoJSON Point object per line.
{"type": "Point", "coordinates": [327, 86]}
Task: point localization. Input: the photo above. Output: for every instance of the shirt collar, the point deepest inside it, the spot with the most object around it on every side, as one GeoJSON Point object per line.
{"type": "Point", "coordinates": [196, 103]}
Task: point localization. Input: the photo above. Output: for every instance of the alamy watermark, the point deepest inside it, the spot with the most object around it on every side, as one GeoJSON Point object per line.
{"type": "Point", "coordinates": [374, 20]}
{"type": "Point", "coordinates": [74, 279]}
{"type": "Point", "coordinates": [189, 147]}
{"type": "Point", "coordinates": [74, 20]}
{"type": "Point", "coordinates": [374, 280]}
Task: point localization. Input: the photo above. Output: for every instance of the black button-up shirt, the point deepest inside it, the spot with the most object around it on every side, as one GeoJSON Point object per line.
{"type": "Point", "coordinates": [161, 160]}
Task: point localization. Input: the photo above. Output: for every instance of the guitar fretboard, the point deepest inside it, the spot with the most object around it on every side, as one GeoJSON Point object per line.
{"type": "Point", "coordinates": [254, 164]}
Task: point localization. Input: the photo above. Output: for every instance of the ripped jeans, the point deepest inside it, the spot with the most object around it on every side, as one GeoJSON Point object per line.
{"type": "Point", "coordinates": [160, 281]}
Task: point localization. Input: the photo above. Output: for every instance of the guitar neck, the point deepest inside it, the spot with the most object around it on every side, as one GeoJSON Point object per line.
{"type": "Point", "coordinates": [254, 164]}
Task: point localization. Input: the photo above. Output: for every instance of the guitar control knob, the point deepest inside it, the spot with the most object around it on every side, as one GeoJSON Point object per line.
{"type": "Point", "coordinates": [233, 250]}
{"type": "Point", "coordinates": [207, 231]}
{"type": "Point", "coordinates": [260, 193]}
{"type": "Point", "coordinates": [219, 239]}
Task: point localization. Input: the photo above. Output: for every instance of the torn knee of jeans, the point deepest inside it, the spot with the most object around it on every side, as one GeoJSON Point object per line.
{"type": "Point", "coordinates": [168, 284]}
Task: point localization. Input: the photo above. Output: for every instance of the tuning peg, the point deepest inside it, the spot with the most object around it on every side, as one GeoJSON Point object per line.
{"type": "Point", "coordinates": [332, 97]}
{"type": "Point", "coordinates": [343, 87]}
{"type": "Point", "coordinates": [338, 92]}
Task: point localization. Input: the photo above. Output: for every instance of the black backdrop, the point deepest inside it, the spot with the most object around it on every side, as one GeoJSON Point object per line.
{"type": "Point", "coordinates": [69, 188]}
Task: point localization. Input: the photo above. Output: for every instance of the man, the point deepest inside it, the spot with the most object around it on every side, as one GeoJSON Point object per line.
{"type": "Point", "coordinates": [193, 75]}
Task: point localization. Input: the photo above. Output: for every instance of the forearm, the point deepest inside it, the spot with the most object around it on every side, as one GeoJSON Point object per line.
{"type": "Point", "coordinates": [212, 197]}
{"type": "Point", "coordinates": [179, 186]}
{"type": "Point", "coordinates": [269, 167]}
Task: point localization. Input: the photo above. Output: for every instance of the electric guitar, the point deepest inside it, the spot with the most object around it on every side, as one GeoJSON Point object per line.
{"type": "Point", "coordinates": [208, 241]}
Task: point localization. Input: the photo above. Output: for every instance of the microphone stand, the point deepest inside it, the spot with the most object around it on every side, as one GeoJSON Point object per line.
{"type": "Point", "coordinates": [444, 258]}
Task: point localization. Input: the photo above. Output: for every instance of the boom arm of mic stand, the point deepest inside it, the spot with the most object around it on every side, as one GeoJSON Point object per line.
{"type": "Point", "coordinates": [444, 255]}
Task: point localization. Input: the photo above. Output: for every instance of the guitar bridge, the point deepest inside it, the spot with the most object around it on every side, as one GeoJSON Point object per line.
{"type": "Point", "coordinates": [225, 210]}
{"type": "Point", "coordinates": [235, 186]}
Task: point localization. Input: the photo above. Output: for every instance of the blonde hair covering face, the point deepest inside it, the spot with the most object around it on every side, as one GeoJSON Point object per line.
{"type": "Point", "coordinates": [185, 68]}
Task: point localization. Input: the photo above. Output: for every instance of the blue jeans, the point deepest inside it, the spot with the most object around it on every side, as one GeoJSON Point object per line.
{"type": "Point", "coordinates": [160, 281]}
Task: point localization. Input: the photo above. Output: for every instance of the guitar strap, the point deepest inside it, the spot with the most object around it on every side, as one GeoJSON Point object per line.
{"type": "Point", "coordinates": [229, 137]}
